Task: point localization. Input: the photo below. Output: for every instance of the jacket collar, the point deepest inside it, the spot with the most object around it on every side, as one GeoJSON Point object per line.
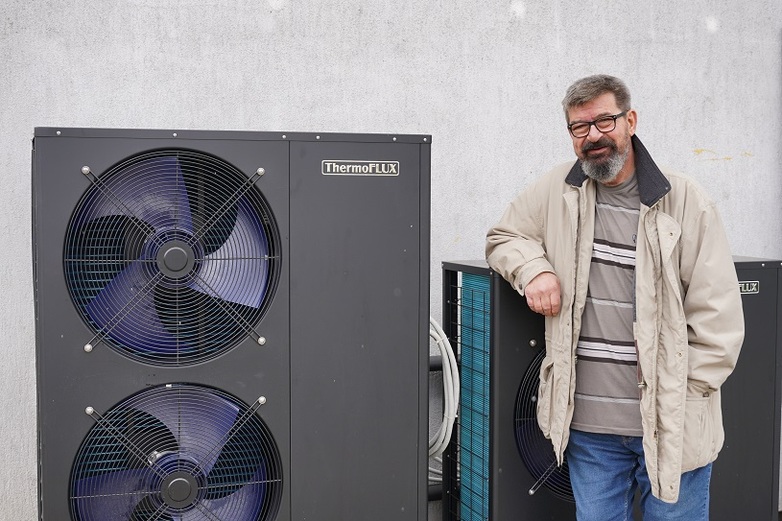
{"type": "Point", "coordinates": [652, 183]}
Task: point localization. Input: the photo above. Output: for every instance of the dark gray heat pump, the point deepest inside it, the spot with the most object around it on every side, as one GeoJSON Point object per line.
{"type": "Point", "coordinates": [231, 326]}
{"type": "Point", "coordinates": [499, 456]}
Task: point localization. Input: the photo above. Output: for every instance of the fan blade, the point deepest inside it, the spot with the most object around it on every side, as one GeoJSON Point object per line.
{"type": "Point", "coordinates": [117, 309]}
{"type": "Point", "coordinates": [200, 422]}
{"type": "Point", "coordinates": [238, 270]}
{"type": "Point", "coordinates": [214, 207]}
{"type": "Point", "coordinates": [202, 324]}
{"type": "Point", "coordinates": [100, 248]}
{"type": "Point", "coordinates": [162, 201]}
{"type": "Point", "coordinates": [246, 503]}
{"type": "Point", "coordinates": [152, 190]}
{"type": "Point", "coordinates": [241, 462]}
{"type": "Point", "coordinates": [113, 495]}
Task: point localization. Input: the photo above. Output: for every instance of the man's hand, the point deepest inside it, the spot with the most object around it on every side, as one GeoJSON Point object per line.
{"type": "Point", "coordinates": [543, 294]}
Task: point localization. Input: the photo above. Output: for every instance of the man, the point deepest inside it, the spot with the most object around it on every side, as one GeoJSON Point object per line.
{"type": "Point", "coordinates": [631, 267]}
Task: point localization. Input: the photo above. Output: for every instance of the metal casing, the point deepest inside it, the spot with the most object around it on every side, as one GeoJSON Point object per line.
{"type": "Point", "coordinates": [345, 365]}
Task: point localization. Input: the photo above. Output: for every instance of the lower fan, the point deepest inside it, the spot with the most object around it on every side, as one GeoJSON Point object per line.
{"type": "Point", "coordinates": [177, 453]}
{"type": "Point", "coordinates": [534, 448]}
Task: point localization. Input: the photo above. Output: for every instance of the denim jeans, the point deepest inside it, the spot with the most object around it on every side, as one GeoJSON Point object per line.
{"type": "Point", "coordinates": [606, 470]}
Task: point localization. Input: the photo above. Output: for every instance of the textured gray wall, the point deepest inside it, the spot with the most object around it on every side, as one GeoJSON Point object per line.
{"type": "Point", "coordinates": [484, 78]}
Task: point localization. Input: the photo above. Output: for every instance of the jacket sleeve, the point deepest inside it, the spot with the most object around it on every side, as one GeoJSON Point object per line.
{"type": "Point", "coordinates": [712, 301]}
{"type": "Point", "coordinates": [515, 246]}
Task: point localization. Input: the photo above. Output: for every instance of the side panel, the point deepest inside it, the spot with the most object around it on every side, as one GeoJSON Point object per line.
{"type": "Point", "coordinates": [357, 331]}
{"type": "Point", "coordinates": [745, 477]}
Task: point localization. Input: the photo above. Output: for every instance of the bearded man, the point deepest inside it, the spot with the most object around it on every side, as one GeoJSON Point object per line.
{"type": "Point", "coordinates": [632, 269]}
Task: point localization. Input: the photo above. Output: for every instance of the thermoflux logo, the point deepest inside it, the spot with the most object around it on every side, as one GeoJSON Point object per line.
{"type": "Point", "coordinates": [352, 167]}
{"type": "Point", "coordinates": [749, 287]}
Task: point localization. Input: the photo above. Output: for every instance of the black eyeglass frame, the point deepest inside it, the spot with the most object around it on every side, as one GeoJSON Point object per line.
{"type": "Point", "coordinates": [595, 122]}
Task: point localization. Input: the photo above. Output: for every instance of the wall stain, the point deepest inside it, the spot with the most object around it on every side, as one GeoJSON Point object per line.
{"type": "Point", "coordinates": [711, 155]}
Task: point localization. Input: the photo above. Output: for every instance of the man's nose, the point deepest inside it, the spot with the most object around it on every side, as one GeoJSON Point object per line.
{"type": "Point", "coordinates": [594, 134]}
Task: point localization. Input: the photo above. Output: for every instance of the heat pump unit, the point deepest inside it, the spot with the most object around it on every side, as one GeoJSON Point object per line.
{"type": "Point", "coordinates": [231, 325]}
{"type": "Point", "coordinates": [745, 476]}
{"type": "Point", "coordinates": [500, 467]}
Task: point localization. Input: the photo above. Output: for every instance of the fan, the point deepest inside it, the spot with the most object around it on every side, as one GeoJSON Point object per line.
{"type": "Point", "coordinates": [171, 256]}
{"type": "Point", "coordinates": [177, 453]}
{"type": "Point", "coordinates": [534, 448]}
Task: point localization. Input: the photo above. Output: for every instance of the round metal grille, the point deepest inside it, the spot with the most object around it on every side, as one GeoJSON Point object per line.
{"type": "Point", "coordinates": [177, 453]}
{"type": "Point", "coordinates": [535, 450]}
{"type": "Point", "coordinates": [171, 257]}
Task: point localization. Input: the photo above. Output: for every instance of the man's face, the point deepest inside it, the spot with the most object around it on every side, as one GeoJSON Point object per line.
{"type": "Point", "coordinates": [606, 157]}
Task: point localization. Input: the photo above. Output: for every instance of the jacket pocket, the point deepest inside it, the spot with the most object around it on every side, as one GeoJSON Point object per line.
{"type": "Point", "coordinates": [544, 395]}
{"type": "Point", "coordinates": [701, 430]}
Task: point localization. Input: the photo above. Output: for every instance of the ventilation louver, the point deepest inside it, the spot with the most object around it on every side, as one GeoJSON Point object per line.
{"type": "Point", "coordinates": [171, 257]}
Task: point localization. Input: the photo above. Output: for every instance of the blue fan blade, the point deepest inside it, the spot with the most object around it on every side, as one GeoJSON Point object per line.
{"type": "Point", "coordinates": [130, 320]}
{"type": "Point", "coordinates": [238, 271]}
{"type": "Point", "coordinates": [200, 422]}
{"type": "Point", "coordinates": [246, 503]}
{"type": "Point", "coordinates": [162, 201]}
{"type": "Point", "coordinates": [152, 190]}
{"type": "Point", "coordinates": [113, 495]}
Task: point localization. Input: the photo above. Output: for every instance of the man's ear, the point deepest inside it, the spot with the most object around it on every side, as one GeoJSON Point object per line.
{"type": "Point", "coordinates": [632, 120]}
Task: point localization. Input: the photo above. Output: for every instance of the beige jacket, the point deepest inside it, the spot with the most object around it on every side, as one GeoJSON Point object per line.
{"type": "Point", "coordinates": [689, 321]}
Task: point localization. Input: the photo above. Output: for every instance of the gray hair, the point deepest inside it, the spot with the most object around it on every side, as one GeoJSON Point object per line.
{"type": "Point", "coordinates": [589, 88]}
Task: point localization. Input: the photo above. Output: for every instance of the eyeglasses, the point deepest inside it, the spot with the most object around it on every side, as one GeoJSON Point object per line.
{"type": "Point", "coordinates": [605, 125]}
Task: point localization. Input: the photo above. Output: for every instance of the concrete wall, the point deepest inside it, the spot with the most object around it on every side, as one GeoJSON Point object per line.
{"type": "Point", "coordinates": [484, 78]}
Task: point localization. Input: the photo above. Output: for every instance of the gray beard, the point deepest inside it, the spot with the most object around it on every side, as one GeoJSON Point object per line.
{"type": "Point", "coordinates": [606, 171]}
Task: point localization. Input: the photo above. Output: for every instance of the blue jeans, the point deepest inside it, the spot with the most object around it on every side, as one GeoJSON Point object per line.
{"type": "Point", "coordinates": [606, 470]}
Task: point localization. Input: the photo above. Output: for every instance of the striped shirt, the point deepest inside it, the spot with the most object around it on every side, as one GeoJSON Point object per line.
{"type": "Point", "coordinates": [606, 398]}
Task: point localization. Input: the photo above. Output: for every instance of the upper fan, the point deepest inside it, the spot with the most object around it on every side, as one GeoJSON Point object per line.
{"type": "Point", "coordinates": [177, 453]}
{"type": "Point", "coordinates": [535, 450]}
{"type": "Point", "coordinates": [171, 256]}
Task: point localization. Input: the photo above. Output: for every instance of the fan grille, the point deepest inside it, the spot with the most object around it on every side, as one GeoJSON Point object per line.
{"type": "Point", "coordinates": [534, 448]}
{"type": "Point", "coordinates": [171, 257]}
{"type": "Point", "coordinates": [177, 453]}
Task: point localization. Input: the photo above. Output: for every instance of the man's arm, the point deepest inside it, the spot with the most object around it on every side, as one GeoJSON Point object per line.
{"type": "Point", "coordinates": [515, 248]}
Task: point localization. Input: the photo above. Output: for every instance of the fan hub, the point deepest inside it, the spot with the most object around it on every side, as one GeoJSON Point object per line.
{"type": "Point", "coordinates": [176, 259]}
{"type": "Point", "coordinates": [180, 490]}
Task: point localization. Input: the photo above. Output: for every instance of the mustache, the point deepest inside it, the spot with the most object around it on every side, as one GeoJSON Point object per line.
{"type": "Point", "coordinates": [602, 142]}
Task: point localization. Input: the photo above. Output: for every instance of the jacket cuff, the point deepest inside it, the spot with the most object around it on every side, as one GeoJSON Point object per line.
{"type": "Point", "coordinates": [529, 271]}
